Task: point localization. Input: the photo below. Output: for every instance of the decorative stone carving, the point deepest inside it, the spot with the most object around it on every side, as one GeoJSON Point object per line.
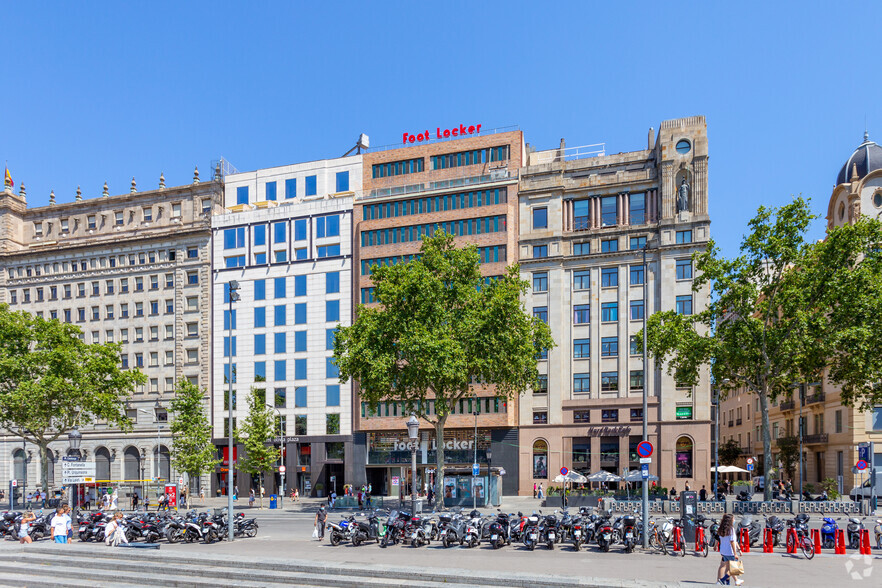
{"type": "Point", "coordinates": [106, 193]}
{"type": "Point", "coordinates": [134, 186]}
{"type": "Point", "coordinates": [196, 175]}
{"type": "Point", "coordinates": [51, 197]}
{"type": "Point", "coordinates": [79, 194]}
{"type": "Point", "coordinates": [683, 197]}
{"type": "Point", "coordinates": [161, 181]}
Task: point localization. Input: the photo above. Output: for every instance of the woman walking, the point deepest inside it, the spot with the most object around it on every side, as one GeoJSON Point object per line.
{"type": "Point", "coordinates": [25, 528]}
{"type": "Point", "coordinates": [729, 550]}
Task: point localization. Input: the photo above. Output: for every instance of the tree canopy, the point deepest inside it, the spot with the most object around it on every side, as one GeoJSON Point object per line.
{"type": "Point", "coordinates": [193, 451]}
{"type": "Point", "coordinates": [785, 311]}
{"type": "Point", "coordinates": [51, 381]}
{"type": "Point", "coordinates": [255, 432]}
{"type": "Point", "coordinates": [440, 333]}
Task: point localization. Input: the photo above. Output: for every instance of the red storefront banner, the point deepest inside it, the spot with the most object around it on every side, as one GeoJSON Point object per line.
{"type": "Point", "coordinates": [226, 455]}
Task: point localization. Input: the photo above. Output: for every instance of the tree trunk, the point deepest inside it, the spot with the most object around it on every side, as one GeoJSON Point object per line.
{"type": "Point", "coordinates": [763, 394]}
{"type": "Point", "coordinates": [260, 489]}
{"type": "Point", "coordinates": [44, 470]}
{"type": "Point", "coordinates": [439, 459]}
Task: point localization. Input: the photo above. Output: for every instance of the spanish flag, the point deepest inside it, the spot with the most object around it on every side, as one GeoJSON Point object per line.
{"type": "Point", "coordinates": [7, 179]}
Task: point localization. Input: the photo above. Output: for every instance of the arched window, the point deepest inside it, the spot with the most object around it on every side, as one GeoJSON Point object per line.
{"type": "Point", "coordinates": [684, 457]}
{"type": "Point", "coordinates": [132, 459]}
{"type": "Point", "coordinates": [540, 459]}
{"type": "Point", "coordinates": [164, 463]}
{"type": "Point", "coordinates": [19, 457]}
{"type": "Point", "coordinates": [102, 464]}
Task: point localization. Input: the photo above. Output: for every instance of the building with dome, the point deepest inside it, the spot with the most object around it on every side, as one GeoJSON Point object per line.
{"type": "Point", "coordinates": [831, 432]}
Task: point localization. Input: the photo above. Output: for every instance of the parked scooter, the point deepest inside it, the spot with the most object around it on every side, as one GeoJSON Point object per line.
{"type": "Point", "coordinates": [777, 526]}
{"type": "Point", "coordinates": [753, 526]}
{"type": "Point", "coordinates": [853, 531]}
{"type": "Point", "coordinates": [531, 531]}
{"type": "Point", "coordinates": [629, 532]}
{"type": "Point", "coordinates": [828, 533]}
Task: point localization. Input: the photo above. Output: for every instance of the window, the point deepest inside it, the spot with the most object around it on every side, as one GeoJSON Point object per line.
{"type": "Point", "coordinates": [583, 248]}
{"type": "Point", "coordinates": [541, 313]}
{"type": "Point", "coordinates": [327, 226]}
{"type": "Point", "coordinates": [259, 258]}
{"type": "Point", "coordinates": [299, 369]}
{"type": "Point", "coordinates": [154, 308]}
{"type": "Point", "coordinates": [609, 382]}
{"type": "Point", "coordinates": [259, 290]}
{"type": "Point", "coordinates": [279, 315]}
{"type": "Point", "coordinates": [540, 282]}
{"type": "Point", "coordinates": [638, 242]}
{"type": "Point", "coordinates": [637, 275]}
{"type": "Point", "coordinates": [234, 238]}
{"type": "Point", "coordinates": [108, 312]}
{"type": "Point", "coordinates": [300, 397]}
{"type": "Point", "coordinates": [582, 314]}
{"type": "Point", "coordinates": [637, 208]}
{"type": "Point", "coordinates": [300, 253]}
{"type": "Point", "coordinates": [299, 341]}
{"type": "Point", "coordinates": [582, 279]}
{"type": "Point", "coordinates": [228, 315]}
{"type": "Point", "coordinates": [279, 398]}
{"type": "Point", "coordinates": [684, 269]}
{"type": "Point", "coordinates": [540, 251]}
{"type": "Point", "coordinates": [609, 312]}
{"type": "Point", "coordinates": [154, 284]}
{"type": "Point", "coordinates": [581, 348]}
{"type": "Point", "coordinates": [169, 280]}
{"type": "Point", "coordinates": [636, 310]}
{"type": "Point", "coordinates": [242, 195]}
{"type": "Point", "coordinates": [581, 215]}
{"type": "Point", "coordinates": [636, 415]}
{"type": "Point", "coordinates": [540, 218]}
{"type": "Point", "coordinates": [329, 338]}
{"type": "Point", "coordinates": [582, 416]}
{"type": "Point", "coordinates": [279, 232]}
{"type": "Point", "coordinates": [332, 427]}
{"type": "Point", "coordinates": [300, 313]}
{"type": "Point", "coordinates": [332, 395]}
{"type": "Point", "coordinates": [636, 379]}
{"type": "Point", "coordinates": [332, 310]}
{"type": "Point", "coordinates": [227, 347]}
{"type": "Point", "coordinates": [234, 261]}
{"type": "Point", "coordinates": [169, 306]}
{"type": "Point", "coordinates": [260, 344]}
{"type": "Point", "coordinates": [300, 230]}
{"type": "Point", "coordinates": [683, 457]}
{"type": "Point", "coordinates": [260, 317]}
{"type": "Point", "coordinates": [279, 287]}
{"type": "Point", "coordinates": [118, 217]}
{"type": "Point", "coordinates": [877, 418]}
{"type": "Point", "coordinates": [540, 459]}
{"type": "Point", "coordinates": [343, 181]}
{"type": "Point", "coordinates": [609, 209]}
{"type": "Point", "coordinates": [38, 229]}
{"type": "Point", "coordinates": [542, 384]}
{"type": "Point", "coordinates": [279, 370]}
{"type": "Point", "coordinates": [636, 346]}
{"type": "Point", "coordinates": [397, 168]}
{"type": "Point", "coordinates": [139, 360]}
{"type": "Point", "coordinates": [81, 287]}
{"type": "Point", "coordinates": [838, 421]}
{"type": "Point", "coordinates": [581, 383]}
{"type": "Point", "coordinates": [192, 303]}
{"type": "Point", "coordinates": [609, 277]}
{"type": "Point", "coordinates": [609, 246]}
{"type": "Point", "coordinates": [540, 417]}
{"type": "Point", "coordinates": [609, 346]}
{"type": "Point", "coordinates": [684, 237]}
{"type": "Point", "coordinates": [311, 189]}
{"type": "Point", "coordinates": [684, 304]}
{"type": "Point", "coordinates": [139, 309]}
{"type": "Point", "coordinates": [270, 190]}
{"type": "Point", "coordinates": [192, 278]}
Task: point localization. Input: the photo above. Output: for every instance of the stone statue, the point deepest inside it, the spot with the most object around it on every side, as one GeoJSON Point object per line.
{"type": "Point", "coordinates": [683, 197]}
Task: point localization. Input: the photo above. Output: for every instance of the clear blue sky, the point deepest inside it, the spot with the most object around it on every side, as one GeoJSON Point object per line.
{"type": "Point", "coordinates": [106, 91]}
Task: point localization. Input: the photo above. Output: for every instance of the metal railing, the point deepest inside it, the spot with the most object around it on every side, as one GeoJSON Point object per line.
{"type": "Point", "coordinates": [494, 175]}
{"type": "Point", "coordinates": [816, 439]}
{"type": "Point", "coordinates": [788, 405]}
{"type": "Point", "coordinates": [815, 398]}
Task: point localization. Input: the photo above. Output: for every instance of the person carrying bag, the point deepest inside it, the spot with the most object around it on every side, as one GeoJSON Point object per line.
{"type": "Point", "coordinates": [730, 563]}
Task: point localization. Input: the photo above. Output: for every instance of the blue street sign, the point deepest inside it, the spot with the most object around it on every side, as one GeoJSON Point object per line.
{"type": "Point", "coordinates": [476, 469]}
{"type": "Point", "coordinates": [644, 471]}
{"type": "Point", "coordinates": [644, 449]}
{"type": "Point", "coordinates": [864, 453]}
{"type": "Point", "coordinates": [750, 467]}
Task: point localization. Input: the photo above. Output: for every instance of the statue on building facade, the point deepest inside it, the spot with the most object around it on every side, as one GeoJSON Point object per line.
{"type": "Point", "coordinates": [683, 196]}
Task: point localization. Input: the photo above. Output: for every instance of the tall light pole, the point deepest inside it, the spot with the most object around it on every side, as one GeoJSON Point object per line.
{"type": "Point", "coordinates": [716, 404]}
{"type": "Point", "coordinates": [74, 438]}
{"type": "Point", "coordinates": [281, 453]}
{"type": "Point", "coordinates": [474, 479]}
{"type": "Point", "coordinates": [413, 431]}
{"type": "Point", "coordinates": [233, 287]}
{"type": "Point", "coordinates": [650, 244]}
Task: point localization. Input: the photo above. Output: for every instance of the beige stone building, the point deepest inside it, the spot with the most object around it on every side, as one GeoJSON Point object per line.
{"type": "Point", "coordinates": [584, 220]}
{"type": "Point", "coordinates": [831, 431]}
{"type": "Point", "coordinates": [133, 269]}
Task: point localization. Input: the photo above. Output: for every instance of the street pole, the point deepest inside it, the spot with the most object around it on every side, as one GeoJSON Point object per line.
{"type": "Point", "coordinates": [475, 480]}
{"type": "Point", "coordinates": [645, 499]}
{"type": "Point", "coordinates": [281, 452]}
{"type": "Point", "coordinates": [233, 287]}
{"type": "Point", "coordinates": [799, 428]}
{"type": "Point", "coordinates": [716, 442]}
{"type": "Point", "coordinates": [413, 480]}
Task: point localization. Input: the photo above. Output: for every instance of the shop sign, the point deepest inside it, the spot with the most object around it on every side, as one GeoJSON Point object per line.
{"type": "Point", "coordinates": [619, 431]}
{"type": "Point", "coordinates": [460, 131]}
{"type": "Point", "coordinates": [684, 413]}
{"type": "Point", "coordinates": [454, 445]}
{"type": "Point", "coordinates": [454, 440]}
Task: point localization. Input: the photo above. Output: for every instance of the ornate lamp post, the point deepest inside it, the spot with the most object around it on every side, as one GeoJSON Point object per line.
{"type": "Point", "coordinates": [74, 438]}
{"type": "Point", "coordinates": [233, 286]}
{"type": "Point", "coordinates": [413, 431]}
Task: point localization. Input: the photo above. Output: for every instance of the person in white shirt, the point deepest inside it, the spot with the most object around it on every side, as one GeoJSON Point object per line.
{"type": "Point", "coordinates": [59, 525]}
{"type": "Point", "coordinates": [114, 501]}
{"type": "Point", "coordinates": [114, 533]}
{"type": "Point", "coordinates": [24, 530]}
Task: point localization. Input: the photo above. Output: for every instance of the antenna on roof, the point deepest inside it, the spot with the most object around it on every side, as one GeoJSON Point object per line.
{"type": "Point", "coordinates": [363, 142]}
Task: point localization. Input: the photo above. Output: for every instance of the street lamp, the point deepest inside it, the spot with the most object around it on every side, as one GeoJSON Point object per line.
{"type": "Point", "coordinates": [74, 438]}
{"type": "Point", "coordinates": [489, 454]}
{"type": "Point", "coordinates": [413, 431]}
{"type": "Point", "coordinates": [716, 401]}
{"type": "Point", "coordinates": [281, 454]}
{"type": "Point", "coordinates": [474, 479]}
{"type": "Point", "coordinates": [233, 291]}
{"type": "Point", "coordinates": [650, 244]}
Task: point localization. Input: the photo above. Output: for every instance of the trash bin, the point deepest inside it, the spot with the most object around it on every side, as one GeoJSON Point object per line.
{"type": "Point", "coordinates": [274, 501]}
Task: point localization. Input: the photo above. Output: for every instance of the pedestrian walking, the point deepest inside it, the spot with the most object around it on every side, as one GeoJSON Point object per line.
{"type": "Point", "coordinates": [67, 515]}
{"type": "Point", "coordinates": [320, 518]}
{"type": "Point", "coordinates": [202, 494]}
{"type": "Point", "coordinates": [114, 500]}
{"type": "Point", "coordinates": [134, 501]}
{"type": "Point", "coordinates": [59, 526]}
{"type": "Point", "coordinates": [687, 487]}
{"type": "Point", "coordinates": [534, 489]}
{"type": "Point", "coordinates": [540, 490]}
{"type": "Point", "coordinates": [729, 550]}
{"type": "Point", "coordinates": [367, 500]}
{"type": "Point", "coordinates": [702, 494]}
{"type": "Point", "coordinates": [251, 498]}
{"type": "Point", "coordinates": [296, 494]}
{"type": "Point", "coordinates": [24, 530]}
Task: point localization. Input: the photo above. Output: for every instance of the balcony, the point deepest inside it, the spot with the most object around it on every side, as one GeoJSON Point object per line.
{"type": "Point", "coordinates": [731, 424]}
{"type": "Point", "coordinates": [818, 439]}
{"type": "Point", "coordinates": [815, 398]}
{"type": "Point", "coordinates": [738, 422]}
{"type": "Point", "coordinates": [788, 405]}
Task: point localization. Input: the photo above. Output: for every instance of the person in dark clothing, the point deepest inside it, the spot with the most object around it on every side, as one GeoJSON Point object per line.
{"type": "Point", "coordinates": [702, 494]}
{"type": "Point", "coordinates": [320, 517]}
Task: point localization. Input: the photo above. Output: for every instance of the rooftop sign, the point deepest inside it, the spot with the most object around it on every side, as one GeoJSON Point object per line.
{"type": "Point", "coordinates": [460, 131]}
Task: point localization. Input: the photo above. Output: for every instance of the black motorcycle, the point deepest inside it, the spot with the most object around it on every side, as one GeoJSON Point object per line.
{"type": "Point", "coordinates": [531, 532]}
{"type": "Point", "coordinates": [754, 528]}
{"type": "Point", "coordinates": [629, 532]}
{"type": "Point", "coordinates": [363, 531]}
{"type": "Point", "coordinates": [776, 525]}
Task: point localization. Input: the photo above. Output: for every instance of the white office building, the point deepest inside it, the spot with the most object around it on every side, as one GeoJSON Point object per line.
{"type": "Point", "coordinates": [287, 239]}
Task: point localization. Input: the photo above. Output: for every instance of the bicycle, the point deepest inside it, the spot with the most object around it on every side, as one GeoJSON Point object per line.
{"type": "Point", "coordinates": [701, 543]}
{"type": "Point", "coordinates": [800, 525]}
{"type": "Point", "coordinates": [656, 537]}
{"type": "Point", "coordinates": [677, 539]}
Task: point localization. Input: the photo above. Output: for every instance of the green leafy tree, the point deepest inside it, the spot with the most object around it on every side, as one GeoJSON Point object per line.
{"type": "Point", "coordinates": [784, 311]}
{"type": "Point", "coordinates": [788, 454]}
{"type": "Point", "coordinates": [256, 434]}
{"type": "Point", "coordinates": [193, 451]}
{"type": "Point", "coordinates": [729, 452]}
{"type": "Point", "coordinates": [439, 333]}
{"type": "Point", "coordinates": [51, 381]}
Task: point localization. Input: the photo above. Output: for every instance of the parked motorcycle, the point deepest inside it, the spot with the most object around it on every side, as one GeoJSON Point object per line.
{"type": "Point", "coordinates": [629, 532]}
{"type": "Point", "coordinates": [752, 525]}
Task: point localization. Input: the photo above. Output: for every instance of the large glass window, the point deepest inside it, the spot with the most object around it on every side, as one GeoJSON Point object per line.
{"type": "Point", "coordinates": [279, 342]}
{"type": "Point", "coordinates": [270, 190]}
{"type": "Point", "coordinates": [540, 218]}
{"type": "Point", "coordinates": [540, 282]}
{"type": "Point", "coordinates": [329, 338]}
{"type": "Point", "coordinates": [684, 304]}
{"type": "Point", "coordinates": [260, 371]}
{"type": "Point", "coordinates": [242, 195]}
{"type": "Point", "coordinates": [300, 313]}
{"type": "Point", "coordinates": [280, 287]}
{"type": "Point", "coordinates": [583, 248]}
{"type": "Point", "coordinates": [609, 245]}
{"type": "Point", "coordinates": [299, 286]}
{"type": "Point", "coordinates": [300, 229]}
{"type": "Point", "coordinates": [300, 397]}
{"type": "Point", "coordinates": [581, 215]}
{"type": "Point", "coordinates": [332, 310]}
{"type": "Point", "coordinates": [281, 370]}
{"type": "Point", "coordinates": [609, 208]}
{"type": "Point", "coordinates": [234, 238]}
{"type": "Point", "coordinates": [582, 383]}
{"type": "Point", "coordinates": [609, 382]}
{"type": "Point", "coordinates": [637, 242]}
{"type": "Point", "coordinates": [636, 310]}
{"type": "Point", "coordinates": [279, 232]}
{"type": "Point", "coordinates": [609, 454]}
{"type": "Point", "coordinates": [582, 455]}
{"type": "Point", "coordinates": [299, 369]}
{"type": "Point", "coordinates": [540, 459]}
{"type": "Point", "coordinates": [311, 187]}
{"type": "Point", "coordinates": [637, 275]}
{"type": "Point", "coordinates": [327, 226]}
{"type": "Point", "coordinates": [260, 317]}
{"type": "Point", "coordinates": [291, 188]}
{"type": "Point", "coordinates": [540, 251]}
{"type": "Point", "coordinates": [541, 313]}
{"type": "Point", "coordinates": [609, 277]}
{"type": "Point", "coordinates": [684, 237]}
{"type": "Point", "coordinates": [637, 209]}
{"type": "Point", "coordinates": [332, 282]}
{"type": "Point", "coordinates": [299, 341]}
{"type": "Point", "coordinates": [343, 181]}
{"type": "Point", "coordinates": [684, 269]}
{"type": "Point", "coordinates": [259, 234]}
{"type": "Point", "coordinates": [260, 344]}
{"type": "Point", "coordinates": [332, 395]}
{"type": "Point", "coordinates": [636, 379]}
{"type": "Point", "coordinates": [582, 314]}
{"type": "Point", "coordinates": [279, 316]}
{"type": "Point", "coordinates": [582, 279]}
{"type": "Point", "coordinates": [259, 290]}
{"type": "Point", "coordinates": [609, 312]}
{"type": "Point", "coordinates": [609, 346]}
{"type": "Point", "coordinates": [331, 369]}
{"type": "Point", "coordinates": [581, 348]}
{"type": "Point", "coordinates": [684, 457]}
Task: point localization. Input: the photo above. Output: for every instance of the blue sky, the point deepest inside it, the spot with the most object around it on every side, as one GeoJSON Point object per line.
{"type": "Point", "coordinates": [135, 89]}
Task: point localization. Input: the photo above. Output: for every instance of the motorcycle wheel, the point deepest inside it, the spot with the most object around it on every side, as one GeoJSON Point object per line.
{"type": "Point", "coordinates": [551, 545]}
{"type": "Point", "coordinates": [445, 541]}
{"type": "Point", "coordinates": [705, 548]}
{"type": "Point", "coordinates": [604, 547]}
{"type": "Point", "coordinates": [576, 546]}
{"type": "Point", "coordinates": [335, 539]}
{"type": "Point", "coordinates": [356, 541]}
{"type": "Point", "coordinates": [251, 532]}
{"type": "Point", "coordinates": [531, 546]}
{"type": "Point", "coordinates": [495, 544]}
{"type": "Point", "coordinates": [682, 549]}
{"type": "Point", "coordinates": [173, 535]}
{"type": "Point", "coordinates": [211, 536]}
{"type": "Point", "coordinates": [854, 543]}
{"type": "Point", "coordinates": [472, 542]}
{"type": "Point", "coordinates": [384, 542]}
{"type": "Point", "coordinates": [84, 536]}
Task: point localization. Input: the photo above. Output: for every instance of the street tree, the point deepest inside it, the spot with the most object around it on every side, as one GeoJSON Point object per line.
{"type": "Point", "coordinates": [441, 334]}
{"type": "Point", "coordinates": [256, 433]}
{"type": "Point", "coordinates": [193, 452]}
{"type": "Point", "coordinates": [51, 381]}
{"type": "Point", "coordinates": [729, 452]}
{"type": "Point", "coordinates": [785, 311]}
{"type": "Point", "coordinates": [788, 453]}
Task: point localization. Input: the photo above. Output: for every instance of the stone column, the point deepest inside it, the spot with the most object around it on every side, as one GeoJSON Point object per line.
{"type": "Point", "coordinates": [668, 205]}
{"type": "Point", "coordinates": [626, 208]}
{"type": "Point", "coordinates": [699, 186]}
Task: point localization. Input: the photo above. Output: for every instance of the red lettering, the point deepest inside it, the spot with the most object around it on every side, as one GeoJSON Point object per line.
{"type": "Point", "coordinates": [420, 137]}
{"type": "Point", "coordinates": [438, 131]}
{"type": "Point", "coordinates": [427, 135]}
{"type": "Point", "coordinates": [471, 129]}
{"type": "Point", "coordinates": [446, 133]}
{"type": "Point", "coordinates": [455, 131]}
{"type": "Point", "coordinates": [478, 129]}
{"type": "Point", "coordinates": [462, 130]}
{"type": "Point", "coordinates": [404, 138]}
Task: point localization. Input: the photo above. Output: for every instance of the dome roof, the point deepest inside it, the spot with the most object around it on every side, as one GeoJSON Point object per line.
{"type": "Point", "coordinates": [867, 157]}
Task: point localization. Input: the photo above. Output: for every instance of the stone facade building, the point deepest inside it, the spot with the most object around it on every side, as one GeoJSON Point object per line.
{"type": "Point", "coordinates": [286, 237]}
{"type": "Point", "coordinates": [584, 221]}
{"type": "Point", "coordinates": [465, 182]}
{"type": "Point", "coordinates": [133, 269]}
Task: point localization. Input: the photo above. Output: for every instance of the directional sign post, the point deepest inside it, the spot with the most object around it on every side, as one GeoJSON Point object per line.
{"type": "Point", "coordinates": [77, 472]}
